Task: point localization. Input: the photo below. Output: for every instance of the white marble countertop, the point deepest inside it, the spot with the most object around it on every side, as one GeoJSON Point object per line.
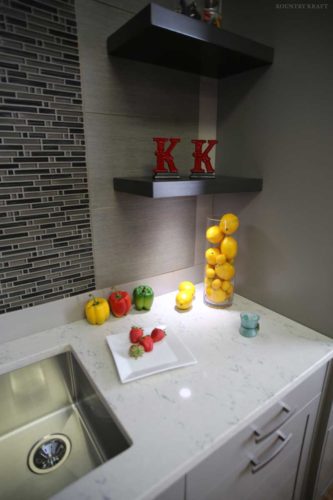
{"type": "Point", "coordinates": [234, 381]}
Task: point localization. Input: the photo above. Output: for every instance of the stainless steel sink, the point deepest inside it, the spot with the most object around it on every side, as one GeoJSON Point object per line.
{"type": "Point", "coordinates": [54, 428]}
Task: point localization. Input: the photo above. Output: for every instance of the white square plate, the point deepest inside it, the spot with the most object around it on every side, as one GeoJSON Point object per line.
{"type": "Point", "coordinates": [167, 354]}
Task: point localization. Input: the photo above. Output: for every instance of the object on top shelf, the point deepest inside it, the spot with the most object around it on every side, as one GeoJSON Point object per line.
{"type": "Point", "coordinates": [188, 8]}
{"type": "Point", "coordinates": [146, 186]}
{"type": "Point", "coordinates": [160, 36]}
{"type": "Point", "coordinates": [212, 14]}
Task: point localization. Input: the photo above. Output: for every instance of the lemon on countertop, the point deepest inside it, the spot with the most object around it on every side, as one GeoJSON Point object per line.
{"type": "Point", "coordinates": [184, 300]}
{"type": "Point", "coordinates": [187, 286]}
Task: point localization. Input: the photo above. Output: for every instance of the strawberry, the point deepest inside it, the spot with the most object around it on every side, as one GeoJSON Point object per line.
{"type": "Point", "coordinates": [135, 334]}
{"type": "Point", "coordinates": [147, 343]}
{"type": "Point", "coordinates": [158, 334]}
{"type": "Point", "coordinates": [135, 351]}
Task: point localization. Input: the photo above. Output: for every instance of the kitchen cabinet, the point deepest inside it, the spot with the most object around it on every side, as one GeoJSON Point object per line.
{"type": "Point", "coordinates": [268, 459]}
{"type": "Point", "coordinates": [322, 463]}
{"type": "Point", "coordinates": [175, 492]}
{"type": "Point", "coordinates": [325, 476]}
{"type": "Point", "coordinates": [165, 38]}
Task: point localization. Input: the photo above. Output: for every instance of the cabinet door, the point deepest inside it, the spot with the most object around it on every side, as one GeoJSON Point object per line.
{"type": "Point", "coordinates": [326, 466]}
{"type": "Point", "coordinates": [175, 492]}
{"type": "Point", "coordinates": [244, 470]}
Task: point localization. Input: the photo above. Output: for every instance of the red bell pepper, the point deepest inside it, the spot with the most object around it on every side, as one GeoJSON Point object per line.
{"type": "Point", "coordinates": [120, 303]}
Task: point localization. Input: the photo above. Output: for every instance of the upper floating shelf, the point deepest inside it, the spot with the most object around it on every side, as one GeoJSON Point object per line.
{"type": "Point", "coordinates": [146, 186]}
{"type": "Point", "coordinates": [160, 36]}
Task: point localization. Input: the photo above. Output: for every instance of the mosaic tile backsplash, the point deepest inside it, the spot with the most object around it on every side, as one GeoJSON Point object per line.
{"type": "Point", "coordinates": [45, 233]}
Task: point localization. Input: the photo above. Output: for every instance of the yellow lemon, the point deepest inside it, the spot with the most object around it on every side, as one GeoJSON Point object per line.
{"type": "Point", "coordinates": [218, 296]}
{"type": "Point", "coordinates": [210, 271]}
{"type": "Point", "coordinates": [225, 271]}
{"type": "Point", "coordinates": [229, 247]}
{"type": "Point", "coordinates": [226, 286]}
{"type": "Point", "coordinates": [230, 290]}
{"type": "Point", "coordinates": [187, 286]}
{"type": "Point", "coordinates": [184, 300]}
{"type": "Point", "coordinates": [214, 235]}
{"type": "Point", "coordinates": [216, 284]}
{"type": "Point", "coordinates": [221, 259]}
{"type": "Point", "coordinates": [209, 291]}
{"type": "Point", "coordinates": [211, 254]}
{"type": "Point", "coordinates": [208, 281]}
{"type": "Point", "coordinates": [229, 223]}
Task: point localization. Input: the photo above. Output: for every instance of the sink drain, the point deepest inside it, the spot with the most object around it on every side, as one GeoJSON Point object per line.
{"type": "Point", "coordinates": [49, 453]}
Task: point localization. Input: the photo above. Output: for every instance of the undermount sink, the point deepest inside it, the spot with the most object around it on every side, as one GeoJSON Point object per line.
{"type": "Point", "coordinates": [54, 428]}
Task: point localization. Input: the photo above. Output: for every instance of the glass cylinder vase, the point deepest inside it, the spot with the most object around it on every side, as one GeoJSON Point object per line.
{"type": "Point", "coordinates": [220, 255]}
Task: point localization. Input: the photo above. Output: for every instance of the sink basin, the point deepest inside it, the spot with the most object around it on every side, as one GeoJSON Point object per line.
{"type": "Point", "coordinates": [54, 428]}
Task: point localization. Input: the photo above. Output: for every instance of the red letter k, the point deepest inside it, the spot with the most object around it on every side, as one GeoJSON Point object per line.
{"type": "Point", "coordinates": [164, 155]}
{"type": "Point", "coordinates": [202, 156]}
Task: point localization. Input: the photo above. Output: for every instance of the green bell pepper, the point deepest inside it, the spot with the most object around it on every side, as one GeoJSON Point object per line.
{"type": "Point", "coordinates": [143, 297]}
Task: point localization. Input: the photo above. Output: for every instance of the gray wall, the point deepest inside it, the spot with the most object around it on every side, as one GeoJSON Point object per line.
{"type": "Point", "coordinates": [278, 123]}
{"type": "Point", "coordinates": [125, 105]}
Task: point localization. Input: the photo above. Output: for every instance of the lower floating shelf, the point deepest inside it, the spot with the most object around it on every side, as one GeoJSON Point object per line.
{"type": "Point", "coordinates": [146, 186]}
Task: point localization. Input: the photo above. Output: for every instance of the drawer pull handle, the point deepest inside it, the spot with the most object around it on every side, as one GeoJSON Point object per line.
{"type": "Point", "coordinates": [257, 465]}
{"type": "Point", "coordinates": [261, 434]}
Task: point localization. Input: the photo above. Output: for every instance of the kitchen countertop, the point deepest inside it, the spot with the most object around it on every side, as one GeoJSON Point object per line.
{"type": "Point", "coordinates": [172, 430]}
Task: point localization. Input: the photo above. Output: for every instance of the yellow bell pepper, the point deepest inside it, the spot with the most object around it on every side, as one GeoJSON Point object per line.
{"type": "Point", "coordinates": [97, 310]}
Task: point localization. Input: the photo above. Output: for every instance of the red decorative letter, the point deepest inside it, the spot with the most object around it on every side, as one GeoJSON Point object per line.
{"type": "Point", "coordinates": [164, 155]}
{"type": "Point", "coordinates": [202, 156]}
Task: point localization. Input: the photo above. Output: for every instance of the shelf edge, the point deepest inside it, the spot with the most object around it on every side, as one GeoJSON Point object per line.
{"type": "Point", "coordinates": [186, 187]}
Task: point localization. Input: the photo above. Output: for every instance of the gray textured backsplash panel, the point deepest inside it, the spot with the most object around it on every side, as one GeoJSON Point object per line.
{"type": "Point", "coordinates": [45, 234]}
{"type": "Point", "coordinates": [125, 105]}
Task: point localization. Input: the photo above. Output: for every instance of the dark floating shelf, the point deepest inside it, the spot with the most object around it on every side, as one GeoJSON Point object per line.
{"type": "Point", "coordinates": [160, 36]}
{"type": "Point", "coordinates": [146, 186]}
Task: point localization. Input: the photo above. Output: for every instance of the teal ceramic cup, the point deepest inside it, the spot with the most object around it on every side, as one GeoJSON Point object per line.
{"type": "Point", "coordinates": [249, 324]}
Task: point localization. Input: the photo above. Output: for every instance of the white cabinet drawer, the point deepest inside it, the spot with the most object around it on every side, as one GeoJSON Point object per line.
{"type": "Point", "coordinates": [289, 405]}
{"type": "Point", "coordinates": [265, 459]}
{"type": "Point", "coordinates": [230, 471]}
